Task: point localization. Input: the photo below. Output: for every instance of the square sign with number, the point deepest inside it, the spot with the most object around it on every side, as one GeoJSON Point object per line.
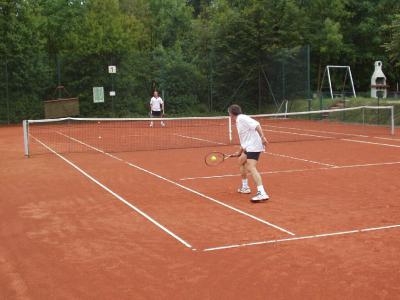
{"type": "Point", "coordinates": [112, 69]}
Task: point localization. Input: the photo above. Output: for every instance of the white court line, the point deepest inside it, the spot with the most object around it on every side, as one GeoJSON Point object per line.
{"type": "Point", "coordinates": [372, 143]}
{"type": "Point", "coordinates": [296, 133]}
{"type": "Point", "coordinates": [117, 196]}
{"type": "Point", "coordinates": [297, 170]}
{"type": "Point", "coordinates": [369, 165]}
{"type": "Point", "coordinates": [273, 154]}
{"type": "Point", "coordinates": [301, 159]}
{"type": "Point", "coordinates": [327, 137]}
{"type": "Point", "coordinates": [318, 131]}
{"type": "Point", "coordinates": [389, 139]}
{"type": "Point", "coordinates": [198, 139]}
{"type": "Point", "coordinates": [300, 238]}
{"type": "Point", "coordinates": [184, 187]}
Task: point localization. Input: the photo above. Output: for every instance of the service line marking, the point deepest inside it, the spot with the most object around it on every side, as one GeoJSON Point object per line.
{"type": "Point", "coordinates": [328, 137]}
{"type": "Point", "coordinates": [316, 236]}
{"type": "Point", "coordinates": [301, 159]}
{"type": "Point", "coordinates": [299, 170]}
{"type": "Point", "coordinates": [183, 187]}
{"type": "Point", "coordinates": [198, 139]}
{"type": "Point", "coordinates": [318, 131]}
{"type": "Point", "coordinates": [146, 216]}
{"type": "Point", "coordinates": [297, 133]}
{"type": "Point", "coordinates": [385, 138]}
{"type": "Point", "coordinates": [371, 143]}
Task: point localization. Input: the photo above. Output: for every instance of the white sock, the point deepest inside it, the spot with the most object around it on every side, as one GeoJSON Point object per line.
{"type": "Point", "coordinates": [245, 183]}
{"type": "Point", "coordinates": [260, 188]}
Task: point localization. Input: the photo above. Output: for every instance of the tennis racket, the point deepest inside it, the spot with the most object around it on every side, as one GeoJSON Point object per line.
{"type": "Point", "coordinates": [215, 158]}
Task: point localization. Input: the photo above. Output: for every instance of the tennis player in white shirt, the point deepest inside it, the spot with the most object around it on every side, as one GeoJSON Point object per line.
{"type": "Point", "coordinates": [156, 108]}
{"type": "Point", "coordinates": [252, 143]}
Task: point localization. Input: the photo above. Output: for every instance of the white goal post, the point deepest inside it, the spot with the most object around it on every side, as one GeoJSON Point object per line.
{"type": "Point", "coordinates": [328, 73]}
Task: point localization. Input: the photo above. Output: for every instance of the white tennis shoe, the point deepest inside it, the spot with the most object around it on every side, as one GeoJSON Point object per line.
{"type": "Point", "coordinates": [244, 190]}
{"type": "Point", "coordinates": [259, 197]}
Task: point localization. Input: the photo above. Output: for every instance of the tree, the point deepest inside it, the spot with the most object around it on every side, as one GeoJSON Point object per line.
{"type": "Point", "coordinates": [367, 30]}
{"type": "Point", "coordinates": [324, 33]}
{"type": "Point", "coordinates": [22, 49]}
{"type": "Point", "coordinates": [245, 34]}
{"type": "Point", "coordinates": [393, 46]}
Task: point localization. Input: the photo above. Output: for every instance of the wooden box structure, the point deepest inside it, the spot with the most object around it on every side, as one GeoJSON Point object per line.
{"type": "Point", "coordinates": [60, 108]}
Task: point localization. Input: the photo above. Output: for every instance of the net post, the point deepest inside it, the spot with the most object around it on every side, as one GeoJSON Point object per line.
{"type": "Point", "coordinates": [230, 129]}
{"type": "Point", "coordinates": [25, 126]}
{"type": "Point", "coordinates": [286, 108]}
{"type": "Point", "coordinates": [363, 116]}
{"type": "Point", "coordinates": [392, 119]}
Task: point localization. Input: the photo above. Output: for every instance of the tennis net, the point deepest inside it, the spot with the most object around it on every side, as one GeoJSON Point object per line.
{"type": "Point", "coordinates": [124, 134]}
{"type": "Point", "coordinates": [136, 134]}
{"type": "Point", "coordinates": [353, 122]}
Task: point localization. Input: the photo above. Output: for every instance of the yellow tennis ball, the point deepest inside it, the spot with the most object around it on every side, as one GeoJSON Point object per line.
{"type": "Point", "coordinates": [213, 157]}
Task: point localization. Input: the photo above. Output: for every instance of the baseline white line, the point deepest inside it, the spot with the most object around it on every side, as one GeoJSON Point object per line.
{"type": "Point", "coordinates": [300, 238]}
{"type": "Point", "coordinates": [297, 170]}
{"type": "Point", "coordinates": [185, 188]}
{"type": "Point", "coordinates": [116, 195]}
{"type": "Point", "coordinates": [199, 139]}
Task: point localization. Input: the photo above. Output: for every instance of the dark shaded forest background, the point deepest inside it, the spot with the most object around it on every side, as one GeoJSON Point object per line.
{"type": "Point", "coordinates": [201, 54]}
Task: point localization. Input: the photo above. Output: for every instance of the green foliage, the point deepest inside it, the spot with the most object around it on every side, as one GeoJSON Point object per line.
{"type": "Point", "coordinates": [393, 46]}
{"type": "Point", "coordinates": [23, 56]}
{"type": "Point", "coordinates": [202, 54]}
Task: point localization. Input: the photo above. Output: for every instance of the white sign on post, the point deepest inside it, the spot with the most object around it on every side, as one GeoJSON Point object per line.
{"type": "Point", "coordinates": [112, 93]}
{"type": "Point", "coordinates": [112, 69]}
{"type": "Point", "coordinates": [98, 94]}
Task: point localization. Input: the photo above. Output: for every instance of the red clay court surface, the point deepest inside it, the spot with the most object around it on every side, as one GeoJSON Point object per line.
{"type": "Point", "coordinates": [163, 225]}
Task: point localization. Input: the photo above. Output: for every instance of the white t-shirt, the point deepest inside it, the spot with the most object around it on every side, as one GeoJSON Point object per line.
{"type": "Point", "coordinates": [249, 138]}
{"type": "Point", "coordinates": [155, 103]}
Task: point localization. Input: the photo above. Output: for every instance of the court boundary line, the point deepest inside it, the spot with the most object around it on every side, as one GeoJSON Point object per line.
{"type": "Point", "coordinates": [371, 143]}
{"type": "Point", "coordinates": [304, 237]}
{"type": "Point", "coordinates": [298, 133]}
{"type": "Point", "coordinates": [385, 138]}
{"type": "Point", "coordinates": [199, 139]}
{"type": "Point", "coordinates": [299, 170]}
{"type": "Point", "coordinates": [301, 159]}
{"type": "Point", "coordinates": [120, 198]}
{"type": "Point", "coordinates": [319, 131]}
{"type": "Point", "coordinates": [328, 137]}
{"type": "Point", "coordinates": [183, 187]}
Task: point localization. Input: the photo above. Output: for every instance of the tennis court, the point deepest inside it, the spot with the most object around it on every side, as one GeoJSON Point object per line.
{"type": "Point", "coordinates": [88, 216]}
